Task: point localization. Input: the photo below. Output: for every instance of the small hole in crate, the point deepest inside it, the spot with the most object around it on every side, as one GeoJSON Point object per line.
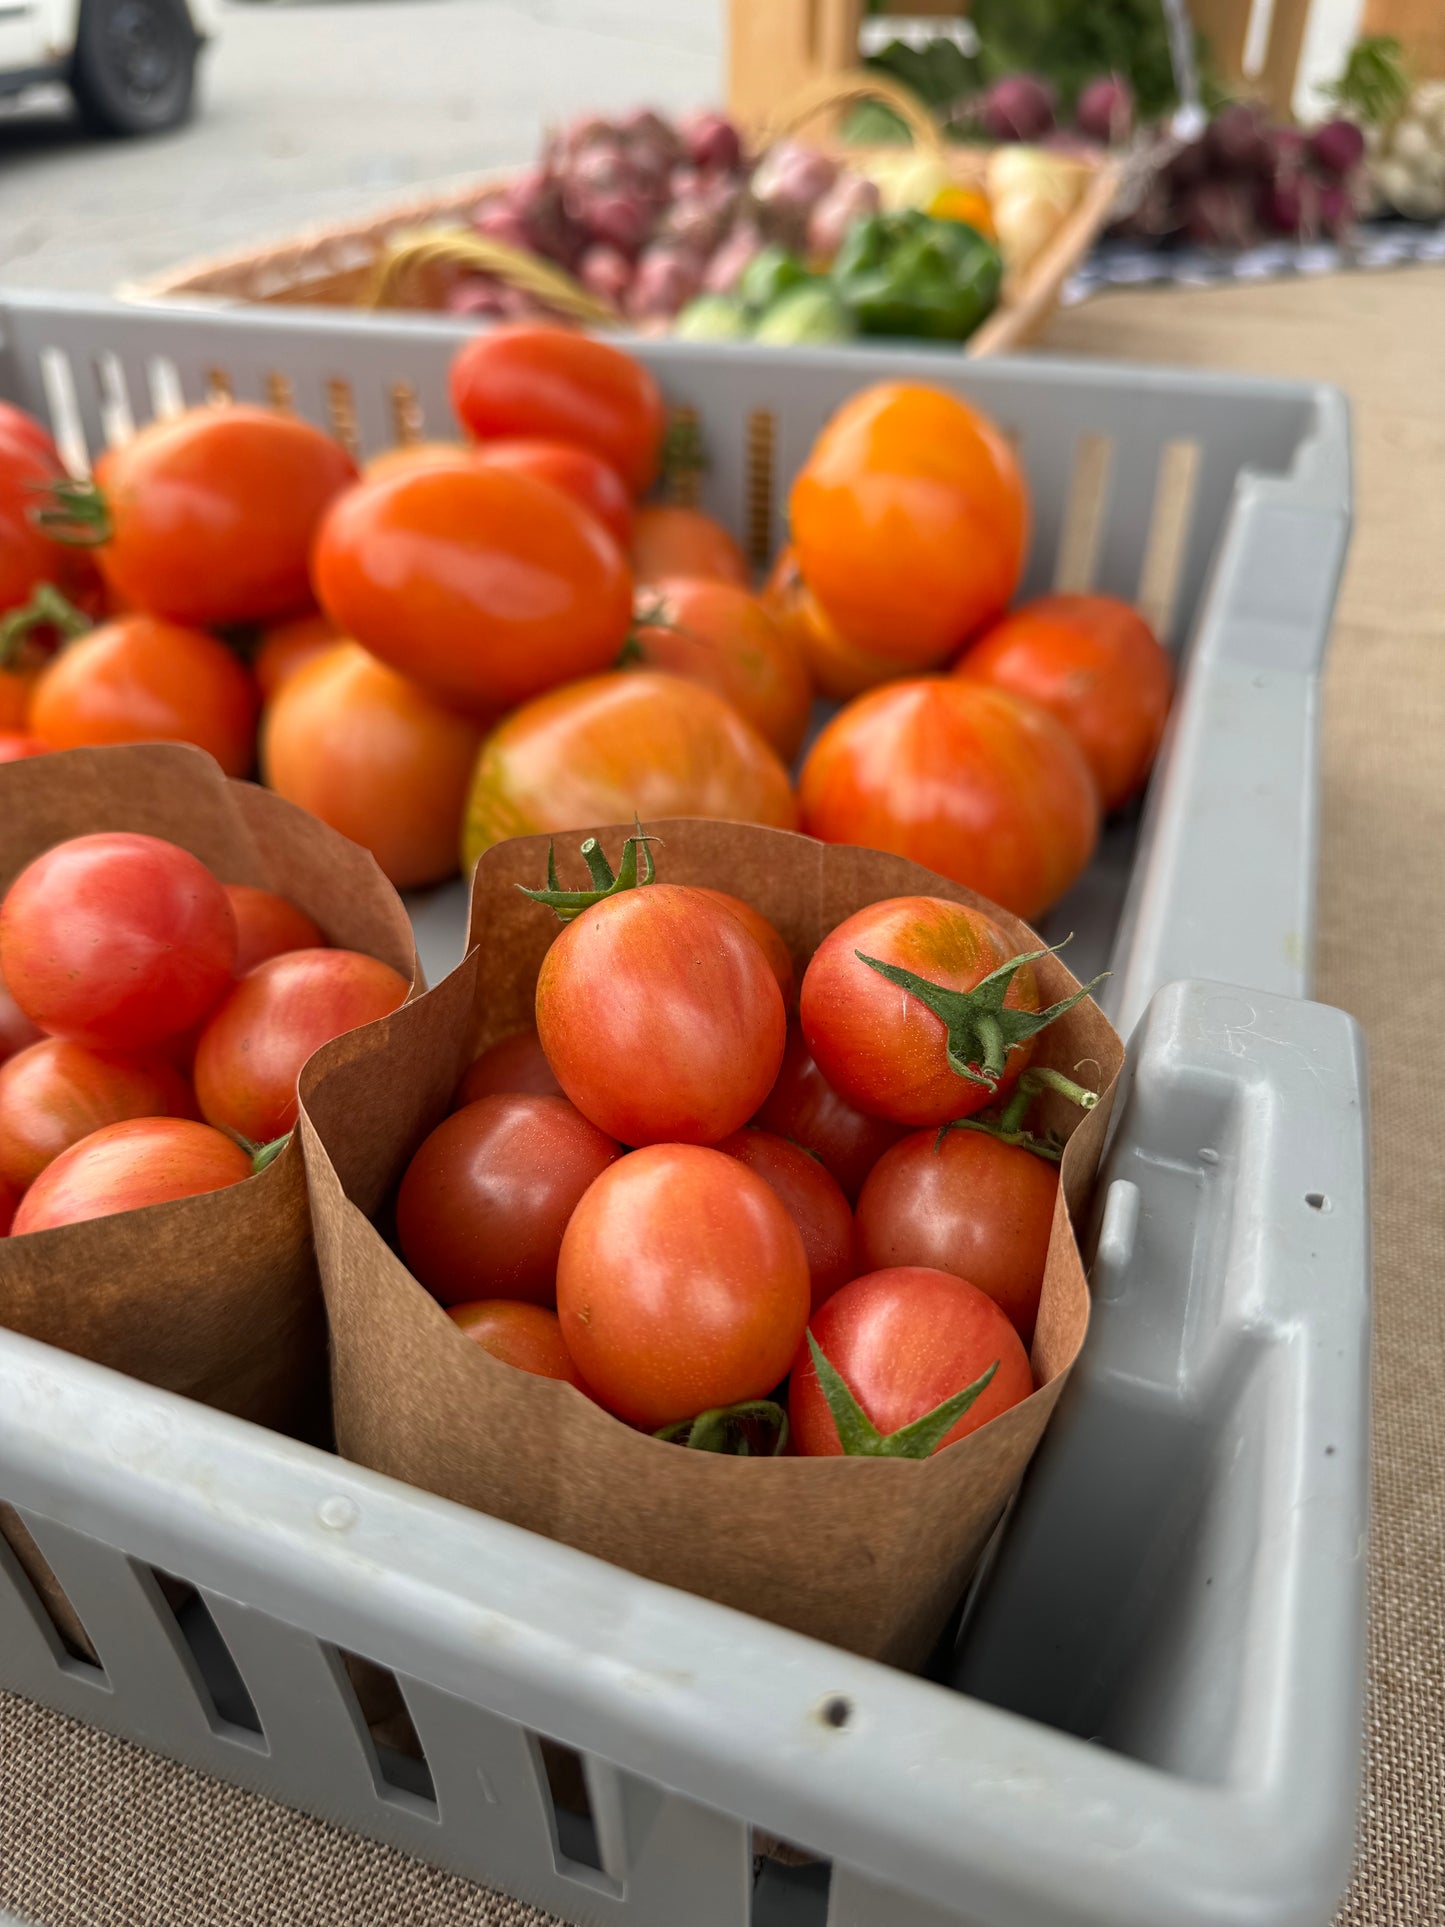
{"type": "Point", "coordinates": [1317, 1201]}
{"type": "Point", "coordinates": [25, 1568]}
{"type": "Point", "coordinates": [576, 1825]}
{"type": "Point", "coordinates": [341, 413]}
{"type": "Point", "coordinates": [406, 414]}
{"type": "Point", "coordinates": [790, 1885]}
{"type": "Point", "coordinates": [683, 458]}
{"type": "Point", "coordinates": [225, 1699]}
{"type": "Point", "coordinates": [398, 1764]}
{"type": "Point", "coordinates": [279, 391]}
{"type": "Point", "coordinates": [1168, 534]}
{"type": "Point", "coordinates": [219, 386]}
{"type": "Point", "coordinates": [762, 438]}
{"type": "Point", "coordinates": [1084, 515]}
{"type": "Point", "coordinates": [836, 1711]}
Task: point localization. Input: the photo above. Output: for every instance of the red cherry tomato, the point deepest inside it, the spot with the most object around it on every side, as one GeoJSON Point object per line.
{"type": "Point", "coordinates": [1095, 664]}
{"type": "Point", "coordinates": [29, 558]}
{"type": "Point", "coordinates": [661, 1017]}
{"type": "Point", "coordinates": [483, 585]}
{"type": "Point", "coordinates": [812, 1200]}
{"type": "Point", "coordinates": [780, 959]}
{"type": "Point", "coordinates": [566, 387]}
{"type": "Point", "coordinates": [682, 1285]}
{"type": "Point", "coordinates": [513, 1063]}
{"type": "Point", "coordinates": [289, 646]}
{"type": "Point", "coordinates": [714, 633]}
{"type": "Point", "coordinates": [55, 1093]}
{"type": "Point", "coordinates": [486, 1198]}
{"type": "Point", "coordinates": [904, 1340]}
{"type": "Point", "coordinates": [18, 749]}
{"type": "Point", "coordinates": [880, 1046]}
{"type": "Point", "coordinates": [9, 1199]}
{"type": "Point", "coordinates": [527, 1336]}
{"type": "Point", "coordinates": [803, 1106]}
{"type": "Point", "coordinates": [16, 1029]}
{"type": "Point", "coordinates": [668, 540]}
{"type": "Point", "coordinates": [21, 431]}
{"type": "Point", "coordinates": [589, 480]}
{"type": "Point", "coordinates": [124, 1167]}
{"type": "Point", "coordinates": [268, 926]}
{"type": "Point", "coordinates": [116, 940]}
{"type": "Point", "coordinates": [968, 781]}
{"type": "Point", "coordinates": [213, 513]}
{"type": "Point", "coordinates": [252, 1050]}
{"type": "Point", "coordinates": [138, 680]}
{"type": "Point", "coordinates": [970, 1205]}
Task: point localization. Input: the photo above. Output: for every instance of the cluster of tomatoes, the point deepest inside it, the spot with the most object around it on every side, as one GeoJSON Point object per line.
{"type": "Point", "coordinates": [468, 642]}
{"type": "Point", "coordinates": [696, 1181]}
{"type": "Point", "coordinates": [153, 1022]}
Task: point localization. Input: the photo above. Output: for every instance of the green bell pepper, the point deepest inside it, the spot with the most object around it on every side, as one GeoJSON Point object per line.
{"type": "Point", "coordinates": [908, 274]}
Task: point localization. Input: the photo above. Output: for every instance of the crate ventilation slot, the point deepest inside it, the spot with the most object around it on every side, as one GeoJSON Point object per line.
{"type": "Point", "coordinates": [225, 1700]}
{"type": "Point", "coordinates": [29, 1587]}
{"type": "Point", "coordinates": [388, 1735]}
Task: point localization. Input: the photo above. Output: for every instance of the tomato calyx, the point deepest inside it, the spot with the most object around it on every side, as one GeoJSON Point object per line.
{"type": "Point", "coordinates": [860, 1437]}
{"type": "Point", "coordinates": [757, 1428]}
{"type": "Point", "coordinates": [75, 513]}
{"type": "Point", "coordinates": [46, 609]}
{"type": "Point", "coordinates": [1008, 1126]}
{"type": "Point", "coordinates": [981, 1029]}
{"type": "Point", "coordinates": [634, 872]}
{"type": "Point", "coordinates": [263, 1154]}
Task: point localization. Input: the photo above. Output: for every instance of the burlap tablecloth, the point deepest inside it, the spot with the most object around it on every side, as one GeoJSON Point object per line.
{"type": "Point", "coordinates": [94, 1833]}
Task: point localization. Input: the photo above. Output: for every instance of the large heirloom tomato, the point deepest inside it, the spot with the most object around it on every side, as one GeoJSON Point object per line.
{"type": "Point", "coordinates": [910, 520]}
{"type": "Point", "coordinates": [969, 781]}
{"type": "Point", "coordinates": [589, 480]}
{"type": "Point", "coordinates": [714, 633]}
{"type": "Point", "coordinates": [123, 1167]}
{"type": "Point", "coordinates": [668, 539]}
{"type": "Point", "coordinates": [836, 667]}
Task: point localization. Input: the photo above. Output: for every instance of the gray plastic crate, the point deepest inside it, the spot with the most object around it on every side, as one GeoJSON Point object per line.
{"type": "Point", "coordinates": [1150, 1716]}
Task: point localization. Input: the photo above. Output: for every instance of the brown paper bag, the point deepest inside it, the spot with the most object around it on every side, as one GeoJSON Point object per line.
{"type": "Point", "coordinates": [868, 1554]}
{"type": "Point", "coordinates": [215, 1296]}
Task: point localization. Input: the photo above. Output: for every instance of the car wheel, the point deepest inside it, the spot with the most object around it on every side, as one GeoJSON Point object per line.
{"type": "Point", "coordinates": [135, 65]}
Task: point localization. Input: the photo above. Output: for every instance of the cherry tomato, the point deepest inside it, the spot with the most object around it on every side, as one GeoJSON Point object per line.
{"type": "Point", "coordinates": [589, 480]}
{"type": "Point", "coordinates": [565, 387]}
{"type": "Point", "coordinates": [15, 748]}
{"type": "Point", "coordinates": [661, 1017]}
{"type": "Point", "coordinates": [268, 926]}
{"type": "Point", "coordinates": [682, 1285]}
{"type": "Point", "coordinates": [1095, 664]}
{"type": "Point", "coordinates": [116, 940]}
{"type": "Point", "coordinates": [139, 680]}
{"type": "Point", "coordinates": [526, 1336]}
{"type": "Point", "coordinates": [968, 1204]}
{"type": "Point", "coordinates": [124, 1167]}
{"type": "Point", "coordinates": [836, 668]}
{"type": "Point", "coordinates": [880, 1046]}
{"type": "Point", "coordinates": [375, 757]}
{"type": "Point", "coordinates": [253, 1049]}
{"type": "Point", "coordinates": [486, 1198]}
{"type": "Point", "coordinates": [16, 1029]}
{"type": "Point", "coordinates": [967, 780]}
{"type": "Point", "coordinates": [803, 1107]}
{"type": "Point", "coordinates": [15, 687]}
{"type": "Point", "coordinates": [514, 1063]}
{"type": "Point", "coordinates": [668, 540]}
{"type": "Point", "coordinates": [289, 646]}
{"type": "Point", "coordinates": [811, 1199]}
{"type": "Point", "coordinates": [904, 1340]}
{"type": "Point", "coordinates": [21, 431]}
{"type": "Point", "coordinates": [714, 633]}
{"type": "Point", "coordinates": [9, 1199]}
{"type": "Point", "coordinates": [780, 959]}
{"type": "Point", "coordinates": [29, 558]}
{"type": "Point", "coordinates": [910, 521]}
{"type": "Point", "coordinates": [483, 585]}
{"type": "Point", "coordinates": [56, 1093]}
{"type": "Point", "coordinates": [598, 751]}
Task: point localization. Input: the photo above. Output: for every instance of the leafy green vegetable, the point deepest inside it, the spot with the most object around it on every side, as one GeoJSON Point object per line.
{"type": "Point", "coordinates": [770, 273]}
{"type": "Point", "coordinates": [713, 317]}
{"type": "Point", "coordinates": [806, 314]}
{"type": "Point", "coordinates": [1375, 86]}
{"type": "Point", "coordinates": [907, 274]}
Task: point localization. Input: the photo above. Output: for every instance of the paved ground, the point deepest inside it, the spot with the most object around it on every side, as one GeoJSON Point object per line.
{"type": "Point", "coordinates": [313, 110]}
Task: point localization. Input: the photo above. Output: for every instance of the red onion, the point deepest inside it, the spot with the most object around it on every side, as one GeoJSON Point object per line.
{"type": "Point", "coordinates": [499, 223]}
{"type": "Point", "coordinates": [666, 280]}
{"type": "Point", "coordinates": [1020, 107]}
{"type": "Point", "coordinates": [1283, 204]}
{"type": "Point", "coordinates": [1336, 209]}
{"type": "Point", "coordinates": [790, 181]}
{"type": "Point", "coordinates": [722, 271]}
{"type": "Point", "coordinates": [1105, 110]}
{"type": "Point", "coordinates": [1337, 148]}
{"type": "Point", "coordinates": [850, 199]}
{"type": "Point", "coordinates": [1235, 141]}
{"type": "Point", "coordinates": [605, 272]}
{"type": "Point", "coordinates": [1218, 214]}
{"type": "Point", "coordinates": [645, 124]}
{"type": "Point", "coordinates": [711, 139]}
{"type": "Point", "coordinates": [620, 219]}
{"type": "Point", "coordinates": [478, 295]}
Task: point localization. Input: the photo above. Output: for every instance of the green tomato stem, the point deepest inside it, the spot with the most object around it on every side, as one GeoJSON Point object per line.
{"type": "Point", "coordinates": [46, 609]}
{"type": "Point", "coordinates": [635, 870]}
{"type": "Point", "coordinates": [860, 1437]}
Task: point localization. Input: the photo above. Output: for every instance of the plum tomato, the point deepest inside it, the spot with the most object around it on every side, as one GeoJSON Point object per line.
{"type": "Point", "coordinates": [715, 633]}
{"type": "Point", "coordinates": [965, 1202]}
{"type": "Point", "coordinates": [661, 1017]}
{"type": "Point", "coordinates": [812, 1200]}
{"type": "Point", "coordinates": [669, 540]}
{"type": "Point", "coordinates": [780, 958]}
{"type": "Point", "coordinates": [488, 1194]}
{"type": "Point", "coordinates": [252, 1050]}
{"type": "Point", "coordinates": [116, 940]}
{"type": "Point", "coordinates": [589, 480]}
{"type": "Point", "coordinates": [682, 1285]}
{"type": "Point", "coordinates": [124, 1167]}
{"type": "Point", "coordinates": [288, 646]}
{"type": "Point", "coordinates": [516, 1062]}
{"type": "Point", "coordinates": [55, 1093]}
{"type": "Point", "coordinates": [803, 1107]}
{"type": "Point", "coordinates": [526, 1336]}
{"type": "Point", "coordinates": [905, 1342]}
{"type": "Point", "coordinates": [268, 926]}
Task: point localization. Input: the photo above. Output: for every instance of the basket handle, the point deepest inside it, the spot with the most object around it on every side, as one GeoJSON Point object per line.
{"type": "Point", "coordinates": [459, 247]}
{"type": "Point", "coordinates": [848, 90]}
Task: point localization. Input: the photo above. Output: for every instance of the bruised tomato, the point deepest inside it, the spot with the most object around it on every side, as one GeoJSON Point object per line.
{"type": "Point", "coordinates": [811, 1199]}
{"type": "Point", "coordinates": [589, 480]}
{"type": "Point", "coordinates": [669, 540]}
{"type": "Point", "coordinates": [804, 1107]}
{"type": "Point", "coordinates": [140, 680]}
{"type": "Point", "coordinates": [288, 646]}
{"type": "Point", "coordinates": [268, 925]}
{"type": "Point", "coordinates": [714, 633]}
{"type": "Point", "coordinates": [56, 1093]}
{"type": "Point", "coordinates": [526, 1336]}
{"type": "Point", "coordinates": [767, 938]}
{"type": "Point", "coordinates": [904, 1341]}
{"type": "Point", "coordinates": [910, 521]}
{"type": "Point", "coordinates": [252, 1050]}
{"type": "Point", "coordinates": [124, 1167]}
{"type": "Point", "coordinates": [1095, 664]}
{"type": "Point", "coordinates": [682, 1285]}
{"type": "Point", "coordinates": [514, 1063]}
{"type": "Point", "coordinates": [835, 667]}
{"type": "Point", "coordinates": [969, 781]}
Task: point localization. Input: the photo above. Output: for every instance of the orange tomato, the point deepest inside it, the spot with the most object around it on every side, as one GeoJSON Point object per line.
{"type": "Point", "coordinates": [600, 750]}
{"type": "Point", "coordinates": [1093, 662]}
{"type": "Point", "coordinates": [287, 646]}
{"type": "Point", "coordinates": [576, 471]}
{"type": "Point", "coordinates": [715, 633]}
{"type": "Point", "coordinates": [836, 668]}
{"type": "Point", "coordinates": [141, 680]}
{"type": "Point", "coordinates": [522, 1335]}
{"type": "Point", "coordinates": [376, 758]}
{"type": "Point", "coordinates": [407, 456]}
{"type": "Point", "coordinates": [668, 540]}
{"type": "Point", "coordinates": [910, 522]}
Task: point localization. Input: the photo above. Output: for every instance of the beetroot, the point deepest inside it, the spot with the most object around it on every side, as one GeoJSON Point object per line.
{"type": "Point", "coordinates": [1287, 205]}
{"type": "Point", "coordinates": [1217, 214]}
{"type": "Point", "coordinates": [1337, 211]}
{"type": "Point", "coordinates": [1020, 107]}
{"type": "Point", "coordinates": [1187, 166]}
{"type": "Point", "coordinates": [1337, 148]}
{"type": "Point", "coordinates": [1288, 145]}
{"type": "Point", "coordinates": [1104, 111]}
{"type": "Point", "coordinates": [711, 140]}
{"type": "Point", "coordinates": [1235, 142]}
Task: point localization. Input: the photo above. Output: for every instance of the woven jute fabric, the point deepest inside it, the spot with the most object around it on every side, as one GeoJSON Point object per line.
{"type": "Point", "coordinates": [94, 1833]}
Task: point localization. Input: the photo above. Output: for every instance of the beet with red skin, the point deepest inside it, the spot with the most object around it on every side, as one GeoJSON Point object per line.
{"type": "Point", "coordinates": [1337, 148]}
{"type": "Point", "coordinates": [1020, 107]}
{"type": "Point", "coordinates": [1104, 111]}
{"type": "Point", "coordinates": [1236, 143]}
{"type": "Point", "coordinates": [710, 139]}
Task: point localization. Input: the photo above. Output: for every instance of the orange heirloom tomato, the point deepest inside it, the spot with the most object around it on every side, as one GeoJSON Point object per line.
{"type": "Point", "coordinates": [483, 585]}
{"type": "Point", "coordinates": [836, 667]}
{"type": "Point", "coordinates": [406, 457]}
{"type": "Point", "coordinates": [1093, 662]}
{"type": "Point", "coordinates": [289, 646]}
{"type": "Point", "coordinates": [140, 680]}
{"type": "Point", "coordinates": [589, 480]}
{"type": "Point", "coordinates": [967, 780]}
{"type": "Point", "coordinates": [714, 633]}
{"type": "Point", "coordinates": [637, 742]}
{"type": "Point", "coordinates": [910, 522]}
{"type": "Point", "coordinates": [376, 758]}
{"type": "Point", "coordinates": [670, 540]}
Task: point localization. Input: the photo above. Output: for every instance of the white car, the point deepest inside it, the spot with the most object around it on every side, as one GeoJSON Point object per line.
{"type": "Point", "coordinates": [130, 64]}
